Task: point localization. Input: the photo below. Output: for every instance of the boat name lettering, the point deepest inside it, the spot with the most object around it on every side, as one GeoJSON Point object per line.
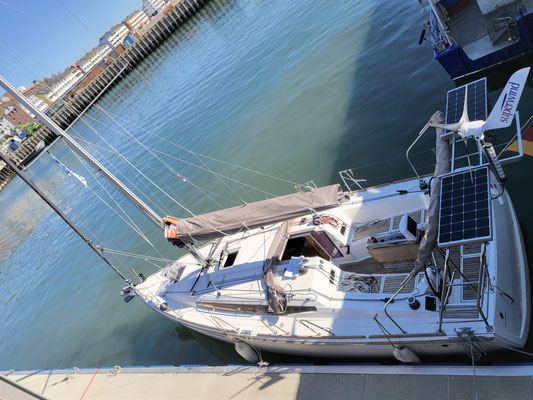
{"type": "Point", "coordinates": [508, 102]}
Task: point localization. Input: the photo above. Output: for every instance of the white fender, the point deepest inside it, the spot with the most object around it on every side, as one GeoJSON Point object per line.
{"type": "Point", "coordinates": [247, 352]}
{"type": "Point", "coordinates": [403, 354]}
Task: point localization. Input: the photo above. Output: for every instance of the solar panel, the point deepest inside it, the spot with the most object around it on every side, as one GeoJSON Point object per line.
{"type": "Point", "coordinates": [477, 102]}
{"type": "Point", "coordinates": [465, 207]}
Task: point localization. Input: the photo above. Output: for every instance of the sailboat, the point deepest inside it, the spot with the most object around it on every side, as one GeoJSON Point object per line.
{"type": "Point", "coordinates": [432, 265]}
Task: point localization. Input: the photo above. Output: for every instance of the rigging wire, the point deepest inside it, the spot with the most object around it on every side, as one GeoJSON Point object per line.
{"type": "Point", "coordinates": [194, 165]}
{"type": "Point", "coordinates": [114, 253]}
{"type": "Point", "coordinates": [179, 175]}
{"type": "Point", "coordinates": [161, 206]}
{"type": "Point", "coordinates": [98, 149]}
{"type": "Point", "coordinates": [131, 223]}
{"type": "Point", "coordinates": [180, 203]}
{"type": "Point", "coordinates": [509, 144]}
{"type": "Point", "coordinates": [72, 214]}
{"type": "Point", "coordinates": [212, 158]}
{"type": "Point", "coordinates": [32, 72]}
{"type": "Point", "coordinates": [158, 158]}
{"type": "Point", "coordinates": [58, 200]}
{"type": "Point", "coordinates": [248, 169]}
{"type": "Point", "coordinates": [86, 122]}
{"type": "Point", "coordinates": [197, 155]}
{"type": "Point", "coordinates": [169, 167]}
{"type": "Point", "coordinates": [111, 116]}
{"type": "Point", "coordinates": [78, 19]}
{"type": "Point", "coordinates": [51, 27]}
{"type": "Point", "coordinates": [513, 349]}
{"type": "Point", "coordinates": [136, 255]}
{"type": "Point", "coordinates": [9, 61]}
{"type": "Point", "coordinates": [183, 147]}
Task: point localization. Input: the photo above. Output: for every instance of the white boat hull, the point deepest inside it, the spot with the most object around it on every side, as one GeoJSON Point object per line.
{"type": "Point", "coordinates": [348, 324]}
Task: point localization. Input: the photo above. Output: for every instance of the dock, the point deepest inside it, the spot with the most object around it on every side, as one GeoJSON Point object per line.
{"type": "Point", "coordinates": [121, 61]}
{"type": "Point", "coordinates": [343, 381]}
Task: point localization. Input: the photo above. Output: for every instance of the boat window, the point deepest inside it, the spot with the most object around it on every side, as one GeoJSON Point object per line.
{"type": "Point", "coordinates": [230, 260]}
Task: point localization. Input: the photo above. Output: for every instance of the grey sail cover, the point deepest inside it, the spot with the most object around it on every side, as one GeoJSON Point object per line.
{"type": "Point", "coordinates": [428, 242]}
{"type": "Point", "coordinates": [255, 215]}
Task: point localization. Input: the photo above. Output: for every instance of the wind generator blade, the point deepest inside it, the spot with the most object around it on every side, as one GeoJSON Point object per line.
{"type": "Point", "coordinates": [464, 117]}
{"type": "Point", "coordinates": [503, 112]}
{"type": "Point", "coordinates": [457, 125]}
{"type": "Point", "coordinates": [447, 127]}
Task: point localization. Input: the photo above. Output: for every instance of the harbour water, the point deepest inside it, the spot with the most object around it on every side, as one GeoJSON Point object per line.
{"type": "Point", "coordinates": [294, 90]}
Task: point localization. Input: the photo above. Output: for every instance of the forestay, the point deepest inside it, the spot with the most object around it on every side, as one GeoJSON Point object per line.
{"type": "Point", "coordinates": [249, 216]}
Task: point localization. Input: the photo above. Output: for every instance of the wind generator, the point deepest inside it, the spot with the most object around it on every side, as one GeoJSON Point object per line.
{"type": "Point", "coordinates": [501, 116]}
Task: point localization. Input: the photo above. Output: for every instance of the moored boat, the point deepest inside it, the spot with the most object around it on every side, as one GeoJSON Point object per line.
{"type": "Point", "coordinates": [431, 265]}
{"type": "Point", "coordinates": [471, 36]}
{"type": "Point", "coordinates": [427, 266]}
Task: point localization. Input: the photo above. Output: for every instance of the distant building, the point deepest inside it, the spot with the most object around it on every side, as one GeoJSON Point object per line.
{"type": "Point", "coordinates": [136, 20]}
{"type": "Point", "coordinates": [6, 129]}
{"type": "Point", "coordinates": [114, 36]}
{"type": "Point", "coordinates": [59, 84]}
{"type": "Point", "coordinates": [92, 58]}
{"type": "Point", "coordinates": [152, 7]}
{"type": "Point", "coordinates": [32, 95]}
{"type": "Point", "coordinates": [5, 101]}
{"type": "Point", "coordinates": [17, 116]}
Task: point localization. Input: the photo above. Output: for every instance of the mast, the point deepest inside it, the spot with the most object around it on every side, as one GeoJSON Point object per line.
{"type": "Point", "coordinates": [43, 196]}
{"type": "Point", "coordinates": [82, 153]}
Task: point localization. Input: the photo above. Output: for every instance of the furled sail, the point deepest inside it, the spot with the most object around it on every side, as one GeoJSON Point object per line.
{"type": "Point", "coordinates": [249, 216]}
{"type": "Point", "coordinates": [442, 166]}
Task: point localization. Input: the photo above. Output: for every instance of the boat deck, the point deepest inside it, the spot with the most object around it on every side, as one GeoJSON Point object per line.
{"type": "Point", "coordinates": [470, 28]}
{"type": "Point", "coordinates": [277, 382]}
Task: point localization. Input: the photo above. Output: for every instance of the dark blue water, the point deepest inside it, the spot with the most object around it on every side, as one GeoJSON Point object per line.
{"type": "Point", "coordinates": [297, 90]}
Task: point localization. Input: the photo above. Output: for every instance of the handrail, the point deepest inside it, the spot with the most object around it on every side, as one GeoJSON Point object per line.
{"type": "Point", "coordinates": [420, 134]}
{"type": "Point", "coordinates": [442, 295]}
{"type": "Point", "coordinates": [305, 323]}
{"type": "Point", "coordinates": [348, 177]}
{"type": "Point", "coordinates": [270, 326]}
{"type": "Point", "coordinates": [481, 276]}
{"type": "Point", "coordinates": [479, 290]}
{"type": "Point", "coordinates": [402, 285]}
{"type": "Point", "coordinates": [443, 29]}
{"type": "Point", "coordinates": [481, 283]}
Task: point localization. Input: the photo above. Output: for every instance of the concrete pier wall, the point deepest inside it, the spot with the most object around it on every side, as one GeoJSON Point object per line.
{"type": "Point", "coordinates": [121, 62]}
{"type": "Point", "coordinates": [305, 382]}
